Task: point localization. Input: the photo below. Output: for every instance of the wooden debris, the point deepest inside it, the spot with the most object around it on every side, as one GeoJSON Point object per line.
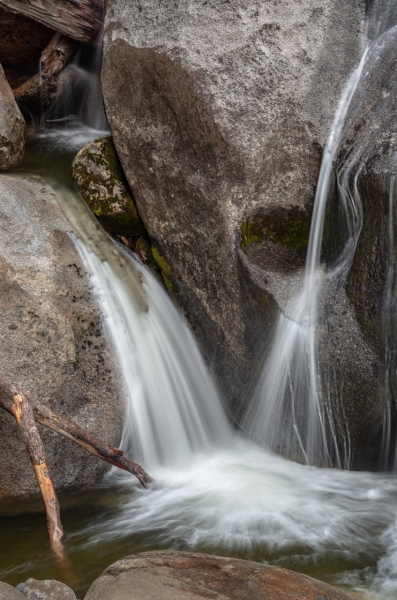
{"type": "Point", "coordinates": [26, 410]}
{"type": "Point", "coordinates": [78, 19]}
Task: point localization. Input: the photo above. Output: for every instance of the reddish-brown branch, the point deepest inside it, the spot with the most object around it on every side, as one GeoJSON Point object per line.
{"type": "Point", "coordinates": [23, 414]}
{"type": "Point", "coordinates": [26, 410]}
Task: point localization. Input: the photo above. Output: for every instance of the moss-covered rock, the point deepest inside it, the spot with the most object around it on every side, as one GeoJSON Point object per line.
{"type": "Point", "coordinates": [164, 268]}
{"type": "Point", "coordinates": [289, 228]}
{"type": "Point", "coordinates": [98, 176]}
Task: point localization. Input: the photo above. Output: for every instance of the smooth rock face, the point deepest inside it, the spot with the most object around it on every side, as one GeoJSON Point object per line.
{"type": "Point", "coordinates": [47, 589]}
{"type": "Point", "coordinates": [98, 177]}
{"type": "Point", "coordinates": [218, 112]}
{"type": "Point", "coordinates": [7, 592]}
{"type": "Point", "coordinates": [188, 576]}
{"type": "Point", "coordinates": [51, 339]}
{"type": "Point", "coordinates": [12, 127]}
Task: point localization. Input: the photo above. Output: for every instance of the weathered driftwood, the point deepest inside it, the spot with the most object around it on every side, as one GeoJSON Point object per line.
{"type": "Point", "coordinates": [26, 410]}
{"type": "Point", "coordinates": [38, 93]}
{"type": "Point", "coordinates": [57, 55]}
{"type": "Point", "coordinates": [78, 19]}
{"type": "Point", "coordinates": [16, 404]}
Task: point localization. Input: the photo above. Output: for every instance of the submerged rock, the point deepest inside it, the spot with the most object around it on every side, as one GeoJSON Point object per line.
{"type": "Point", "coordinates": [12, 127]}
{"type": "Point", "coordinates": [218, 112]}
{"type": "Point", "coordinates": [46, 589]}
{"type": "Point", "coordinates": [190, 576]}
{"type": "Point", "coordinates": [51, 338]}
{"type": "Point", "coordinates": [99, 178]}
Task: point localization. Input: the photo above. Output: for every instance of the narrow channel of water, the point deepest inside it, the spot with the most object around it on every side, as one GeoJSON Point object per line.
{"type": "Point", "coordinates": [227, 497]}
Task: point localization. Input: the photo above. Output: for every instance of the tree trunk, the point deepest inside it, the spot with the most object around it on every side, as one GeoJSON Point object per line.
{"type": "Point", "coordinates": [78, 19]}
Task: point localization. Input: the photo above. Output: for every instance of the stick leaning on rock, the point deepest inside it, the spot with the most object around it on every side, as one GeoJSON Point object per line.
{"type": "Point", "coordinates": [26, 410]}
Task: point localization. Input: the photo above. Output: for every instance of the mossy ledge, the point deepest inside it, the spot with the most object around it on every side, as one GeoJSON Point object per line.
{"type": "Point", "coordinates": [164, 268]}
{"type": "Point", "coordinates": [286, 227]}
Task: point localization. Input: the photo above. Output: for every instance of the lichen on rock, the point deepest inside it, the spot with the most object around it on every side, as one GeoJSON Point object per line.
{"type": "Point", "coordinates": [98, 177]}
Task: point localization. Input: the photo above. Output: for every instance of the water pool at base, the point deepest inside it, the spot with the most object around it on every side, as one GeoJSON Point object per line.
{"type": "Point", "coordinates": [334, 525]}
{"type": "Point", "coordinates": [233, 498]}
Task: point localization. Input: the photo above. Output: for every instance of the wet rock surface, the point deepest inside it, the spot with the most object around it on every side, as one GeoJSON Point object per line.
{"type": "Point", "coordinates": [51, 339]}
{"type": "Point", "coordinates": [218, 112]}
{"type": "Point", "coordinates": [46, 589]}
{"type": "Point", "coordinates": [7, 592]}
{"type": "Point", "coordinates": [189, 576]}
{"type": "Point", "coordinates": [99, 178]}
{"type": "Point", "coordinates": [12, 127]}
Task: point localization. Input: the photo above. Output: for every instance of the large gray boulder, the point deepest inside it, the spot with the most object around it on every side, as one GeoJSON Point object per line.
{"type": "Point", "coordinates": [12, 127]}
{"type": "Point", "coordinates": [51, 338]}
{"type": "Point", "coordinates": [218, 112]}
{"type": "Point", "coordinates": [189, 576]}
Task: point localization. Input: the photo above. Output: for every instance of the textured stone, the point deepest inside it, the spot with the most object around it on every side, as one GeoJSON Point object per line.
{"type": "Point", "coordinates": [12, 127]}
{"type": "Point", "coordinates": [51, 338]}
{"type": "Point", "coordinates": [189, 576]}
{"type": "Point", "coordinates": [7, 592]}
{"type": "Point", "coordinates": [218, 112]}
{"type": "Point", "coordinates": [21, 40]}
{"type": "Point", "coordinates": [98, 177]}
{"type": "Point", "coordinates": [47, 589]}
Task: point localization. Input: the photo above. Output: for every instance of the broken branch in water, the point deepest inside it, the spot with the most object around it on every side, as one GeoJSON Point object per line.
{"type": "Point", "coordinates": [26, 410]}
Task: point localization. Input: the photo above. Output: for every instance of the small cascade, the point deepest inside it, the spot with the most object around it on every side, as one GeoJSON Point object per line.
{"type": "Point", "coordinates": [289, 412]}
{"type": "Point", "coordinates": [79, 93]}
{"type": "Point", "coordinates": [297, 408]}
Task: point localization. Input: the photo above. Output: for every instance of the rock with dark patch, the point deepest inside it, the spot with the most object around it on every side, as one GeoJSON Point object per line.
{"type": "Point", "coordinates": [46, 589]}
{"type": "Point", "coordinates": [21, 41]}
{"type": "Point", "coordinates": [218, 112]}
{"type": "Point", "coordinates": [189, 576]}
{"type": "Point", "coordinates": [51, 338]}
{"type": "Point", "coordinates": [7, 592]}
{"type": "Point", "coordinates": [12, 127]}
{"type": "Point", "coordinates": [99, 178]}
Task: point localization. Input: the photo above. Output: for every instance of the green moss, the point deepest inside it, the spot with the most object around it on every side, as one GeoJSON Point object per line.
{"type": "Point", "coordinates": [164, 268]}
{"type": "Point", "coordinates": [289, 228]}
{"type": "Point", "coordinates": [119, 214]}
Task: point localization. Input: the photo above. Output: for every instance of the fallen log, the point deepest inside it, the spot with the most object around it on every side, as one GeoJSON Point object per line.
{"type": "Point", "coordinates": [26, 410]}
{"type": "Point", "coordinates": [57, 55]}
{"type": "Point", "coordinates": [38, 93]}
{"type": "Point", "coordinates": [78, 19]}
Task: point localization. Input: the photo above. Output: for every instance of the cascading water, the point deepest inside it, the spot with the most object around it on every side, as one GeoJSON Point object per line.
{"type": "Point", "coordinates": [296, 408]}
{"type": "Point", "coordinates": [215, 492]}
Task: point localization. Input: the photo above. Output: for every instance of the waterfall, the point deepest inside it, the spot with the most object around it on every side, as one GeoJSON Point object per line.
{"type": "Point", "coordinates": [173, 410]}
{"type": "Point", "coordinates": [295, 410]}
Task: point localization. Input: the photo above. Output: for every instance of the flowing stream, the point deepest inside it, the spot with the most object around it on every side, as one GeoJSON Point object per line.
{"type": "Point", "coordinates": [215, 491]}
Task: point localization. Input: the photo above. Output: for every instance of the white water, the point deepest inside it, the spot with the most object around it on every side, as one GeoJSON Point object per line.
{"type": "Point", "coordinates": [288, 412]}
{"type": "Point", "coordinates": [215, 492]}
